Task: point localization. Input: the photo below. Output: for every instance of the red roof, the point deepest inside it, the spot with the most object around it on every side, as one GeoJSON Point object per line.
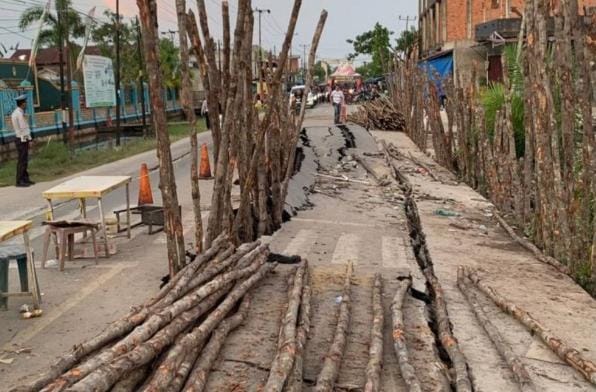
{"type": "Point", "coordinates": [47, 56]}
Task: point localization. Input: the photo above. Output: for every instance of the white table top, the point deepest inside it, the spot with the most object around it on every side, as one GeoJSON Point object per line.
{"type": "Point", "coordinates": [9, 229]}
{"type": "Point", "coordinates": [86, 187]}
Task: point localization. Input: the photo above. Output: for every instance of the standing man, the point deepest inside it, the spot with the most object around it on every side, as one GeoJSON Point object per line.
{"type": "Point", "coordinates": [205, 113]}
{"type": "Point", "coordinates": [337, 98]}
{"type": "Point", "coordinates": [23, 137]}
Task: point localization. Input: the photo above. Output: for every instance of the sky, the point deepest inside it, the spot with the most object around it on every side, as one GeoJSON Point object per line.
{"type": "Point", "coordinates": [346, 19]}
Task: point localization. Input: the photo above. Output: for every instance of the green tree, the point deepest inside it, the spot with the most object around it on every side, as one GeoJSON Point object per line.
{"type": "Point", "coordinates": [50, 34]}
{"type": "Point", "coordinates": [375, 43]}
{"type": "Point", "coordinates": [406, 43]}
{"type": "Point", "coordinates": [169, 59]}
{"type": "Point", "coordinates": [104, 36]}
{"type": "Point", "coordinates": [319, 72]}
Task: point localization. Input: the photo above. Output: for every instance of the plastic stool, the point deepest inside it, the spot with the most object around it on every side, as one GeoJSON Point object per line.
{"type": "Point", "coordinates": [7, 253]}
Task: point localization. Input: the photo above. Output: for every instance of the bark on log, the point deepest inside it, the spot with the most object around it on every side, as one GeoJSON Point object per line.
{"type": "Point", "coordinates": [166, 371]}
{"type": "Point", "coordinates": [295, 382]}
{"type": "Point", "coordinates": [120, 327]}
{"type": "Point", "coordinates": [531, 247]}
{"type": "Point", "coordinates": [284, 360]}
{"type": "Point", "coordinates": [375, 351]}
{"type": "Point", "coordinates": [102, 378]}
{"type": "Point", "coordinates": [513, 361]}
{"type": "Point", "coordinates": [328, 375]}
{"type": "Point", "coordinates": [567, 353]}
{"type": "Point", "coordinates": [167, 183]}
{"type": "Point", "coordinates": [200, 373]}
{"type": "Point", "coordinates": [399, 339]}
{"type": "Point", "coordinates": [380, 181]}
{"type": "Point", "coordinates": [130, 382]}
{"type": "Point", "coordinates": [150, 327]}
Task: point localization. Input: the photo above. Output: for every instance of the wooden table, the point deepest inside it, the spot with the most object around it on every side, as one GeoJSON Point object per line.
{"type": "Point", "coordinates": [91, 187]}
{"type": "Point", "coordinates": [11, 229]}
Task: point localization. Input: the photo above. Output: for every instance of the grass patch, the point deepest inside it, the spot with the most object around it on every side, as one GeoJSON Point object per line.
{"type": "Point", "coordinates": [53, 160]}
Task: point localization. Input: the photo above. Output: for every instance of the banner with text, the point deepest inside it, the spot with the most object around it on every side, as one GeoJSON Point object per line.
{"type": "Point", "coordinates": [98, 75]}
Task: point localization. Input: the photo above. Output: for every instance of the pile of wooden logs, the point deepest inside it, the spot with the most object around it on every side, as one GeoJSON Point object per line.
{"type": "Point", "coordinates": [170, 342]}
{"type": "Point", "coordinates": [379, 114]}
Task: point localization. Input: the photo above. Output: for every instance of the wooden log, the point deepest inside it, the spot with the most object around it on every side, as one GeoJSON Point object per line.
{"type": "Point", "coordinates": [328, 375]}
{"type": "Point", "coordinates": [513, 361]}
{"type": "Point", "coordinates": [130, 382]}
{"type": "Point", "coordinates": [118, 328]}
{"type": "Point", "coordinates": [380, 181]}
{"type": "Point", "coordinates": [150, 327]}
{"type": "Point", "coordinates": [166, 371]}
{"type": "Point", "coordinates": [243, 257]}
{"type": "Point", "coordinates": [151, 348]}
{"type": "Point", "coordinates": [284, 359]}
{"type": "Point", "coordinates": [449, 342]}
{"type": "Point", "coordinates": [531, 247]}
{"type": "Point", "coordinates": [399, 339]}
{"type": "Point", "coordinates": [567, 353]}
{"type": "Point", "coordinates": [200, 373]}
{"type": "Point", "coordinates": [375, 351]}
{"type": "Point", "coordinates": [295, 382]}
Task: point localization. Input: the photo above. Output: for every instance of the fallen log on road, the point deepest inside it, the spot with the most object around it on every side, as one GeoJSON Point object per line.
{"type": "Point", "coordinates": [375, 351]}
{"type": "Point", "coordinates": [567, 353]}
{"type": "Point", "coordinates": [531, 247]}
{"type": "Point", "coordinates": [328, 375]}
{"type": "Point", "coordinates": [200, 373]}
{"type": "Point", "coordinates": [513, 361]}
{"type": "Point", "coordinates": [295, 381]}
{"type": "Point", "coordinates": [284, 360]}
{"type": "Point", "coordinates": [399, 338]}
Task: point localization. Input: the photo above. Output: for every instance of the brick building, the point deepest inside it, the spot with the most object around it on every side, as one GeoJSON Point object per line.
{"type": "Point", "coordinates": [461, 34]}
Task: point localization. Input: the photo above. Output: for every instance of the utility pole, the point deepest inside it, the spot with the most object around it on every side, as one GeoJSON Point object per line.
{"type": "Point", "coordinates": [260, 11]}
{"type": "Point", "coordinates": [117, 72]}
{"type": "Point", "coordinates": [407, 19]}
{"type": "Point", "coordinates": [304, 46]}
{"type": "Point", "coordinates": [141, 77]}
{"type": "Point", "coordinates": [59, 11]}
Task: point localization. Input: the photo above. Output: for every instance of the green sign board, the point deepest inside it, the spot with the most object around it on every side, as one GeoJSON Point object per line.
{"type": "Point", "coordinates": [98, 74]}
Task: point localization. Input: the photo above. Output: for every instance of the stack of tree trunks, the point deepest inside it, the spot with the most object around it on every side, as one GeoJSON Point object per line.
{"type": "Point", "coordinates": [379, 114]}
{"type": "Point", "coordinates": [170, 342]}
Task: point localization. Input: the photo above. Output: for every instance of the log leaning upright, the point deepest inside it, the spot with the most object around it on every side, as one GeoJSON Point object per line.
{"type": "Point", "coordinates": [167, 180]}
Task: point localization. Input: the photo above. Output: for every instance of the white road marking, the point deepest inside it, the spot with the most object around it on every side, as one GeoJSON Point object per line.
{"type": "Point", "coordinates": [346, 249]}
{"type": "Point", "coordinates": [27, 334]}
{"type": "Point", "coordinates": [332, 222]}
{"type": "Point", "coordinates": [299, 244]}
{"type": "Point", "coordinates": [393, 252]}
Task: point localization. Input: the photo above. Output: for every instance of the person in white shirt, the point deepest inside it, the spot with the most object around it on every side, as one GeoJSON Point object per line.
{"type": "Point", "coordinates": [205, 113]}
{"type": "Point", "coordinates": [337, 98]}
{"type": "Point", "coordinates": [23, 137]}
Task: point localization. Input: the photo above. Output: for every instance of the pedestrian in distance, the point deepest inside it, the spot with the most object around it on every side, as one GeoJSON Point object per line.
{"type": "Point", "coordinates": [205, 113]}
{"type": "Point", "coordinates": [23, 138]}
{"type": "Point", "coordinates": [338, 99]}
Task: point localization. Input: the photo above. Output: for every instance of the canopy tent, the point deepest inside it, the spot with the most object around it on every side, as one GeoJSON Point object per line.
{"type": "Point", "coordinates": [345, 72]}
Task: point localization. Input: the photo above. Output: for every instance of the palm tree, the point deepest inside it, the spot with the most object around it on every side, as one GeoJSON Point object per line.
{"type": "Point", "coordinates": [50, 33]}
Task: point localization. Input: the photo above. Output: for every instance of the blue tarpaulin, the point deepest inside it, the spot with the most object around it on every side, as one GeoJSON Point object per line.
{"type": "Point", "coordinates": [441, 66]}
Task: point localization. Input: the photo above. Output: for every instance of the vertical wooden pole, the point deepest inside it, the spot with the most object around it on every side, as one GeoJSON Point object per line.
{"type": "Point", "coordinates": [167, 183]}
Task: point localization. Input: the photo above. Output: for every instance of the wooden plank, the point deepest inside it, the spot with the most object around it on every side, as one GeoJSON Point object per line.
{"type": "Point", "coordinates": [86, 186]}
{"type": "Point", "coordinates": [10, 229]}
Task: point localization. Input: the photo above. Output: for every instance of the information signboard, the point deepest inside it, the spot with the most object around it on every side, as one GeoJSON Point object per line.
{"type": "Point", "coordinates": [98, 74]}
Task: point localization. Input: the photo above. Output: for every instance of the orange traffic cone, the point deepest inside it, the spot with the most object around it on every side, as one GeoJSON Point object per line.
{"type": "Point", "coordinates": [145, 194]}
{"type": "Point", "coordinates": [205, 169]}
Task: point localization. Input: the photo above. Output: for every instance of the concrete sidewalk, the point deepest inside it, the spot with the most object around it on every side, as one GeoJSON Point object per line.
{"type": "Point", "coordinates": [27, 203]}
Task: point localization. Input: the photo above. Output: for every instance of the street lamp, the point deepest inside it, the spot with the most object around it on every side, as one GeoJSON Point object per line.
{"type": "Point", "coordinates": [260, 11]}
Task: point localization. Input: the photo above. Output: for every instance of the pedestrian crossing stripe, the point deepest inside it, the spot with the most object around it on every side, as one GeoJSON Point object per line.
{"type": "Point", "coordinates": [346, 249]}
